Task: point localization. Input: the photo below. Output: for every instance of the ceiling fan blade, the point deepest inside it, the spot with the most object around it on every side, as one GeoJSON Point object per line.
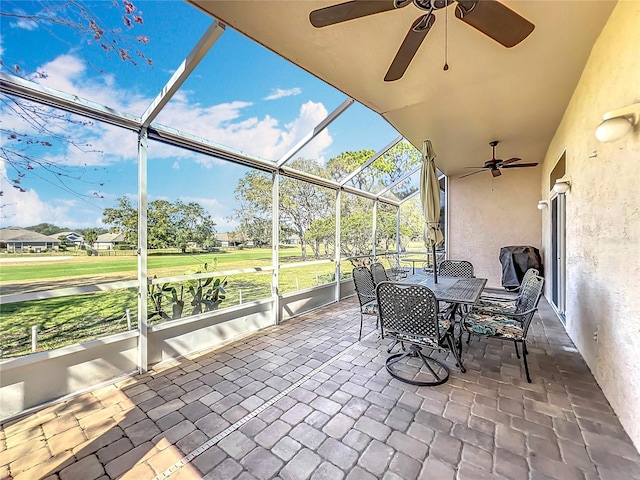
{"type": "Point", "coordinates": [409, 47]}
{"type": "Point", "coordinates": [496, 172]}
{"type": "Point", "coordinates": [511, 160]}
{"type": "Point", "coordinates": [520, 165]}
{"type": "Point", "coordinates": [469, 174]}
{"type": "Point", "coordinates": [350, 10]}
{"type": "Point", "coordinates": [495, 20]}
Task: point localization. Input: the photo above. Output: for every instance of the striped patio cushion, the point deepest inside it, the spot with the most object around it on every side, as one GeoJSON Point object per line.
{"type": "Point", "coordinates": [495, 306]}
{"type": "Point", "coordinates": [370, 308]}
{"type": "Point", "coordinates": [493, 326]}
{"type": "Point", "coordinates": [444, 325]}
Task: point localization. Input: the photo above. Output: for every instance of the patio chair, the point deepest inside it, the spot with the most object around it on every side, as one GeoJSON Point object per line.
{"type": "Point", "coordinates": [409, 314]}
{"type": "Point", "coordinates": [509, 325]}
{"type": "Point", "coordinates": [456, 268]}
{"type": "Point", "coordinates": [428, 265]}
{"type": "Point", "coordinates": [397, 270]}
{"type": "Point", "coordinates": [366, 292]}
{"type": "Point", "coordinates": [379, 273]}
{"type": "Point", "coordinates": [505, 300]}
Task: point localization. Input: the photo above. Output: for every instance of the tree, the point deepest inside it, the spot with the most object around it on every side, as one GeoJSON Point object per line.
{"type": "Point", "coordinates": [168, 224]}
{"type": "Point", "coordinates": [253, 194]}
{"type": "Point", "coordinates": [123, 218]}
{"type": "Point", "coordinates": [347, 162]}
{"type": "Point", "coordinates": [63, 242]}
{"type": "Point", "coordinates": [307, 211]}
{"type": "Point", "coordinates": [90, 237]}
{"type": "Point", "coordinates": [394, 164]}
{"type": "Point", "coordinates": [192, 224]}
{"type": "Point", "coordinates": [46, 229]}
{"type": "Point", "coordinates": [300, 203]}
{"type": "Point", "coordinates": [322, 232]}
{"type": "Point", "coordinates": [161, 231]}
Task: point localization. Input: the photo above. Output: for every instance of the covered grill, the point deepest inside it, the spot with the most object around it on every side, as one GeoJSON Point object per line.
{"type": "Point", "coordinates": [516, 260]}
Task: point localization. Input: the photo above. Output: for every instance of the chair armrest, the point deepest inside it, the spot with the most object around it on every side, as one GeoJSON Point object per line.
{"type": "Point", "coordinates": [491, 298]}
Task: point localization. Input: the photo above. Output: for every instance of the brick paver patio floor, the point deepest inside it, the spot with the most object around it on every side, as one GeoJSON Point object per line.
{"type": "Point", "coordinates": [307, 400]}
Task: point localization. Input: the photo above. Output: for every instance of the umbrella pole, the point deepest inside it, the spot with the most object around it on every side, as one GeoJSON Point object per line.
{"type": "Point", "coordinates": [435, 273]}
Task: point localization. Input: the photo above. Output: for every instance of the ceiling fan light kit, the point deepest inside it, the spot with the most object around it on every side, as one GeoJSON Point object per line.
{"type": "Point", "coordinates": [490, 17]}
{"type": "Point", "coordinates": [617, 123]}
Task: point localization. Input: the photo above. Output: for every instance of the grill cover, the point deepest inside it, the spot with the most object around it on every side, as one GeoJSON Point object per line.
{"type": "Point", "coordinates": [516, 260]}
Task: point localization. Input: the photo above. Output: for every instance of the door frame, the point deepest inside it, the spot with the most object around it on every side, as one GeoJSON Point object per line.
{"type": "Point", "coordinates": [558, 210]}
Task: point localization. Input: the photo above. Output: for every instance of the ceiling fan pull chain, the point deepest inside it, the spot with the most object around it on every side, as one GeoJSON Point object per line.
{"type": "Point", "coordinates": [446, 43]}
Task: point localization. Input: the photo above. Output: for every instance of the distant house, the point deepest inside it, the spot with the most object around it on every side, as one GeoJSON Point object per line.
{"type": "Point", "coordinates": [73, 238]}
{"type": "Point", "coordinates": [223, 240]}
{"type": "Point", "coordinates": [16, 238]}
{"type": "Point", "coordinates": [228, 240]}
{"type": "Point", "coordinates": [291, 240]}
{"type": "Point", "coordinates": [109, 241]}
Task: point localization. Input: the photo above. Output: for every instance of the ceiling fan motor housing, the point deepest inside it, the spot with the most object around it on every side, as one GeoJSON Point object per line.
{"type": "Point", "coordinates": [427, 5]}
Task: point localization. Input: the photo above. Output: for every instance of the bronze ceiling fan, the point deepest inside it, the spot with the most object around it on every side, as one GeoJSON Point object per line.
{"type": "Point", "coordinates": [490, 17]}
{"type": "Point", "coordinates": [495, 164]}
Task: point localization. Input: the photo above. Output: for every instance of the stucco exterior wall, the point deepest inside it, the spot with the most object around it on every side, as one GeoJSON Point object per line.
{"type": "Point", "coordinates": [487, 213]}
{"type": "Point", "coordinates": [603, 217]}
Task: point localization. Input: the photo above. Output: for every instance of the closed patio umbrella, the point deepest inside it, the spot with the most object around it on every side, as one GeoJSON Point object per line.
{"type": "Point", "coordinates": [430, 197]}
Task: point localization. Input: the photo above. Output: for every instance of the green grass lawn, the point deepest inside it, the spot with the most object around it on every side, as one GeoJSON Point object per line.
{"type": "Point", "coordinates": [67, 320]}
{"type": "Point", "coordinates": [159, 265]}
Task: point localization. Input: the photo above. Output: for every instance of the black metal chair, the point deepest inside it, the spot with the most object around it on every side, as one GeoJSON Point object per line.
{"type": "Point", "coordinates": [398, 271]}
{"type": "Point", "coordinates": [511, 325]}
{"type": "Point", "coordinates": [505, 301]}
{"type": "Point", "coordinates": [456, 268]}
{"type": "Point", "coordinates": [427, 266]}
{"type": "Point", "coordinates": [409, 314]}
{"type": "Point", "coordinates": [366, 292]}
{"type": "Point", "coordinates": [379, 273]}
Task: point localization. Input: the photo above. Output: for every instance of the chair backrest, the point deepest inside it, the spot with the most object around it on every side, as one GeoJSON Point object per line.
{"type": "Point", "coordinates": [365, 287]}
{"type": "Point", "coordinates": [379, 273]}
{"type": "Point", "coordinates": [395, 268]}
{"type": "Point", "coordinates": [532, 272]}
{"type": "Point", "coordinates": [408, 309]}
{"type": "Point", "coordinates": [529, 298]}
{"type": "Point", "coordinates": [456, 268]}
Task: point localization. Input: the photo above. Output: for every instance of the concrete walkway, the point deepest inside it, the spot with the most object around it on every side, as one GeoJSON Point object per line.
{"type": "Point", "coordinates": [307, 400]}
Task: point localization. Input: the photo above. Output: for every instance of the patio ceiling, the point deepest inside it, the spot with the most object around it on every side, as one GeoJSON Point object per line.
{"type": "Point", "coordinates": [517, 95]}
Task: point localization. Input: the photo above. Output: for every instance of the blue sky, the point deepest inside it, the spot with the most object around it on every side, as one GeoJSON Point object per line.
{"type": "Point", "coordinates": [241, 95]}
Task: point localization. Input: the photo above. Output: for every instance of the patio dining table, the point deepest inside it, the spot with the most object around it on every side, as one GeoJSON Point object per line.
{"type": "Point", "coordinates": [455, 290]}
{"type": "Point", "coordinates": [413, 263]}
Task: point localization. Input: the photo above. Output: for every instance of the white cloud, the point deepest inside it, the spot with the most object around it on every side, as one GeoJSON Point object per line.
{"type": "Point", "coordinates": [24, 24]}
{"type": "Point", "coordinates": [280, 93]}
{"type": "Point", "coordinates": [227, 124]}
{"type": "Point", "coordinates": [311, 114]}
{"type": "Point", "coordinates": [176, 166]}
{"type": "Point", "coordinates": [23, 209]}
{"type": "Point", "coordinates": [224, 123]}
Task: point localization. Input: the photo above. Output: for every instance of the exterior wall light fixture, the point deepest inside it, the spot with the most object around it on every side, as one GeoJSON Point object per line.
{"type": "Point", "coordinates": [617, 123]}
{"type": "Point", "coordinates": [562, 185]}
{"type": "Point", "coordinates": [542, 204]}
